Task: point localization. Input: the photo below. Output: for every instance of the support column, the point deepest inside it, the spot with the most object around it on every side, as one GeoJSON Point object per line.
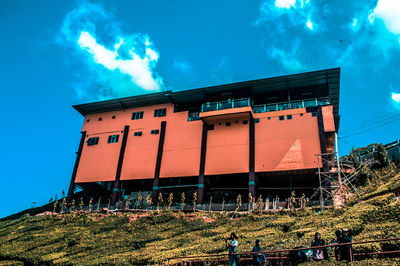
{"type": "Point", "coordinates": [117, 183]}
{"type": "Point", "coordinates": [252, 182]}
{"type": "Point", "coordinates": [71, 189]}
{"type": "Point", "coordinates": [322, 139]}
{"type": "Point", "coordinates": [200, 186]}
{"type": "Point", "coordinates": [158, 162]}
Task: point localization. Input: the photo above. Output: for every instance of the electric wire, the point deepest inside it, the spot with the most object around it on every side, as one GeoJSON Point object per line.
{"type": "Point", "coordinates": [368, 123]}
{"type": "Point", "coordinates": [371, 127]}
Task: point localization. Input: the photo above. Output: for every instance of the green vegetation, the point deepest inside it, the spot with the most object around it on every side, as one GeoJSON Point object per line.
{"type": "Point", "coordinates": [138, 238]}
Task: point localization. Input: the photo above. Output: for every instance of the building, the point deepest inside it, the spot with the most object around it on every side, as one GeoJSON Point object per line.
{"type": "Point", "coordinates": [261, 136]}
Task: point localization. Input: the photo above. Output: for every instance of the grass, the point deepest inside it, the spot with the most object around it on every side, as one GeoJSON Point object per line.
{"type": "Point", "coordinates": [124, 239]}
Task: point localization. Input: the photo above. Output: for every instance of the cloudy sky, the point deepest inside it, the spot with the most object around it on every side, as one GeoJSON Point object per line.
{"type": "Point", "coordinates": [54, 54]}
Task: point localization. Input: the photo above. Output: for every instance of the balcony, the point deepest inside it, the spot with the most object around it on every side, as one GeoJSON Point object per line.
{"type": "Point", "coordinates": [234, 103]}
{"type": "Point", "coordinates": [272, 107]}
{"type": "Point", "coordinates": [242, 108]}
{"type": "Point", "coordinates": [230, 109]}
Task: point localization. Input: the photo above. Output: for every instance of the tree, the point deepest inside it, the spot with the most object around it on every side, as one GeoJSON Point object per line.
{"type": "Point", "coordinates": [139, 200]}
{"type": "Point", "coordinates": [194, 202]}
{"type": "Point", "coordinates": [149, 200]}
{"type": "Point", "coordinates": [183, 198]}
{"type": "Point", "coordinates": [170, 200]}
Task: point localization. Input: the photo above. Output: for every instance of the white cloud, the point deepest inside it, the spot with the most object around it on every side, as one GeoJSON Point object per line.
{"type": "Point", "coordinates": [285, 3]}
{"type": "Point", "coordinates": [309, 24]}
{"type": "Point", "coordinates": [396, 97]}
{"type": "Point", "coordinates": [112, 63]}
{"type": "Point", "coordinates": [389, 12]}
{"type": "Point", "coordinates": [289, 57]}
{"type": "Point", "coordinates": [182, 66]}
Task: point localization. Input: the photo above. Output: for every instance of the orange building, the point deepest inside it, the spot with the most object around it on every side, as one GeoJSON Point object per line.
{"type": "Point", "coordinates": [260, 136]}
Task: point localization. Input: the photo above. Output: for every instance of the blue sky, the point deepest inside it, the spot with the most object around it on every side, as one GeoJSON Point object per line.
{"type": "Point", "coordinates": [54, 54]}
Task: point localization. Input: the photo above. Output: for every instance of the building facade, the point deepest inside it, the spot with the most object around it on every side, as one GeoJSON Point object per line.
{"type": "Point", "coordinates": [260, 137]}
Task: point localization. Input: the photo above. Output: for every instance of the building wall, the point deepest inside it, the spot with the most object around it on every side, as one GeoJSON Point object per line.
{"type": "Point", "coordinates": [228, 148]}
{"type": "Point", "coordinates": [279, 145]}
{"type": "Point", "coordinates": [182, 144]}
{"type": "Point", "coordinates": [286, 144]}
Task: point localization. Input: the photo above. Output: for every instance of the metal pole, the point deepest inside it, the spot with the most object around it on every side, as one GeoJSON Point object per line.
{"type": "Point", "coordinates": [337, 159]}
{"type": "Point", "coordinates": [320, 187]}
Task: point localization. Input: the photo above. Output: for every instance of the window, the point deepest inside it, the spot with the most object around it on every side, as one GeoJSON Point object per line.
{"type": "Point", "coordinates": [113, 117]}
{"type": "Point", "coordinates": [228, 124]}
{"type": "Point", "coordinates": [137, 134]}
{"type": "Point", "coordinates": [257, 120]}
{"type": "Point", "coordinates": [244, 122]}
{"type": "Point", "coordinates": [301, 114]}
{"type": "Point", "coordinates": [160, 112]}
{"type": "Point", "coordinates": [100, 118]}
{"type": "Point", "coordinates": [281, 117]}
{"type": "Point", "coordinates": [210, 127]}
{"type": "Point", "coordinates": [269, 118]}
{"type": "Point", "coordinates": [92, 141]}
{"type": "Point", "coordinates": [137, 115]}
{"type": "Point", "coordinates": [155, 131]}
{"type": "Point", "coordinates": [113, 139]}
{"type": "Point", "coordinates": [289, 117]}
{"type": "Point", "coordinates": [314, 114]}
{"type": "Point", "coordinates": [88, 120]}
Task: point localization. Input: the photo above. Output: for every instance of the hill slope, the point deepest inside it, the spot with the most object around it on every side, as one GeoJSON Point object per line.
{"type": "Point", "coordinates": [88, 239]}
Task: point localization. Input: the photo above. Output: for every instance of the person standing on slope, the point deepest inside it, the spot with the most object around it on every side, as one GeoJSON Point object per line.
{"type": "Point", "coordinates": [232, 248]}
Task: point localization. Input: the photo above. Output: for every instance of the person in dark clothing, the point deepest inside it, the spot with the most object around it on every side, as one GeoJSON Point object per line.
{"type": "Point", "coordinates": [320, 253]}
{"type": "Point", "coordinates": [232, 248]}
{"type": "Point", "coordinates": [338, 240]}
{"type": "Point", "coordinates": [346, 250]}
{"type": "Point", "coordinates": [259, 258]}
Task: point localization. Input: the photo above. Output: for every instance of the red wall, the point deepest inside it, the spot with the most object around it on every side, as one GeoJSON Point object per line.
{"type": "Point", "coordinates": [227, 148]}
{"type": "Point", "coordinates": [279, 145]}
{"type": "Point", "coordinates": [288, 144]}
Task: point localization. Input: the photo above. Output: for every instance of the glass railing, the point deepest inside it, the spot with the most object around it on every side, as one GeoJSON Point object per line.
{"type": "Point", "coordinates": [263, 108]}
{"type": "Point", "coordinates": [228, 104]}
{"type": "Point", "coordinates": [193, 116]}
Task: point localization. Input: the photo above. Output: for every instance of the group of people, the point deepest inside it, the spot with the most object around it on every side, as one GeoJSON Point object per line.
{"type": "Point", "coordinates": [342, 252]}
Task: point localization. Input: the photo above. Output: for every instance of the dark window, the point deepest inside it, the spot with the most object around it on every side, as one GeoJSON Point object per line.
{"type": "Point", "coordinates": [314, 114]}
{"type": "Point", "coordinates": [210, 127]}
{"type": "Point", "coordinates": [88, 120]}
{"type": "Point", "coordinates": [236, 122]}
{"type": "Point", "coordinates": [289, 117]}
{"type": "Point", "coordinates": [257, 120]}
{"type": "Point", "coordinates": [228, 124]}
{"type": "Point", "coordinates": [137, 115]}
{"type": "Point", "coordinates": [113, 139]}
{"type": "Point", "coordinates": [269, 118]}
{"type": "Point", "coordinates": [155, 131]}
{"type": "Point", "coordinates": [244, 122]}
{"type": "Point", "coordinates": [113, 117]}
{"type": "Point", "coordinates": [100, 118]}
{"type": "Point", "coordinates": [137, 134]}
{"type": "Point", "coordinates": [301, 114]}
{"type": "Point", "coordinates": [160, 112]}
{"type": "Point", "coordinates": [219, 123]}
{"type": "Point", "coordinates": [281, 117]}
{"type": "Point", "coordinates": [92, 141]}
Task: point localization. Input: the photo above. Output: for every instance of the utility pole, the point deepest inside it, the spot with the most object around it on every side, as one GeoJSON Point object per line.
{"type": "Point", "coordinates": [337, 160]}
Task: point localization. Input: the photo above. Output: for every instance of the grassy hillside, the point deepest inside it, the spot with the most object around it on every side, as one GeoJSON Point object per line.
{"type": "Point", "coordinates": [88, 239]}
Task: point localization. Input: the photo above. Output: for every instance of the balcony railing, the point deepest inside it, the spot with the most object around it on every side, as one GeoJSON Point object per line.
{"type": "Point", "coordinates": [234, 103]}
{"type": "Point", "coordinates": [263, 108]}
{"type": "Point", "coordinates": [193, 116]}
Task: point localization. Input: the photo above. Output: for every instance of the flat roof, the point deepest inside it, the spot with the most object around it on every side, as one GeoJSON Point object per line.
{"type": "Point", "coordinates": [327, 80]}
